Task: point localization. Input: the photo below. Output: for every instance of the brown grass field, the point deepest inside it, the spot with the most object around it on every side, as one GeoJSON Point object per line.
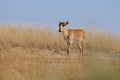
{"type": "Point", "coordinates": [33, 53]}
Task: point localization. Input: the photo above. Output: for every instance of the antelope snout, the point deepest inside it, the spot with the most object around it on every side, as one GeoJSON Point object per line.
{"type": "Point", "coordinates": [59, 30]}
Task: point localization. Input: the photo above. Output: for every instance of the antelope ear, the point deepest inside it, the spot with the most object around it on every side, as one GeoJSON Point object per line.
{"type": "Point", "coordinates": [67, 22]}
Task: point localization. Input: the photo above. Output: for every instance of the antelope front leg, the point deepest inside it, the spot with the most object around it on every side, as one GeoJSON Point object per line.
{"type": "Point", "coordinates": [68, 51]}
{"type": "Point", "coordinates": [69, 48]}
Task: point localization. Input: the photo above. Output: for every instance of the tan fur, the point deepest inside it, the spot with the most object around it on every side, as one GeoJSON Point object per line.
{"type": "Point", "coordinates": [72, 35]}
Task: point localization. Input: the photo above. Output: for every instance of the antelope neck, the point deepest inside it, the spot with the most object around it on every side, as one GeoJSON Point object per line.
{"type": "Point", "coordinates": [65, 33]}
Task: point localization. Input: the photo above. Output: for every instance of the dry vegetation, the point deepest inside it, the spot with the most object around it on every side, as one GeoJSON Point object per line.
{"type": "Point", "coordinates": [33, 53]}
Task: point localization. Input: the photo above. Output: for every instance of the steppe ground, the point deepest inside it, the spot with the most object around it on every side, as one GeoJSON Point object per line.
{"type": "Point", "coordinates": [34, 53]}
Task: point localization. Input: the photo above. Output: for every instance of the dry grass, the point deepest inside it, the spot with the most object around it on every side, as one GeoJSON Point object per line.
{"type": "Point", "coordinates": [29, 53]}
{"type": "Point", "coordinates": [29, 37]}
{"type": "Point", "coordinates": [102, 41]}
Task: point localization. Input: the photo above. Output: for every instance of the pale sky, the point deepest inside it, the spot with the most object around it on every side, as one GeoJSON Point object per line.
{"type": "Point", "coordinates": [103, 14]}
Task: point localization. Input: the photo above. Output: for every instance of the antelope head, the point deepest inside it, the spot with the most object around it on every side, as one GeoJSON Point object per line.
{"type": "Point", "coordinates": [62, 26]}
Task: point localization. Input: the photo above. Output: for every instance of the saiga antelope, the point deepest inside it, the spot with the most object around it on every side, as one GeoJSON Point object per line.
{"type": "Point", "coordinates": [72, 35]}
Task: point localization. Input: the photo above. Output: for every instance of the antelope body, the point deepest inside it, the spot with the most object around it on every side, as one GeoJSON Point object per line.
{"type": "Point", "coordinates": [72, 36]}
